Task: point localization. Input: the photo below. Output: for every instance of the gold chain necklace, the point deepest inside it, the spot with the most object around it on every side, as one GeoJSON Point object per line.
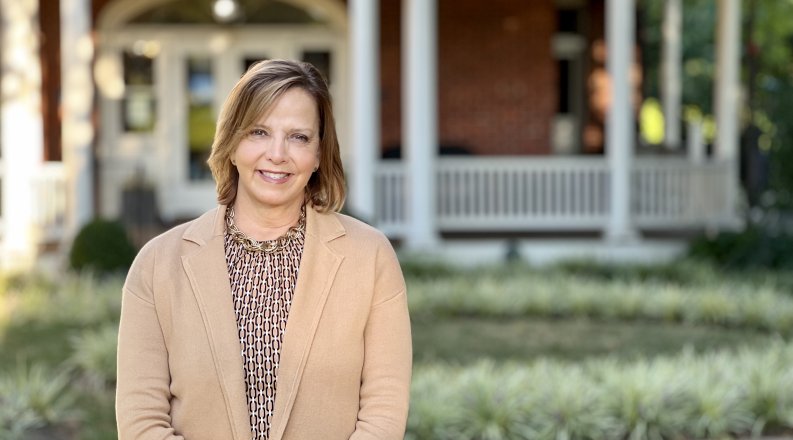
{"type": "Point", "coordinates": [266, 246]}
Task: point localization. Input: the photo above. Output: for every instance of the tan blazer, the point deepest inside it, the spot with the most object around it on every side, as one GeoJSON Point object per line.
{"type": "Point", "coordinates": [346, 355]}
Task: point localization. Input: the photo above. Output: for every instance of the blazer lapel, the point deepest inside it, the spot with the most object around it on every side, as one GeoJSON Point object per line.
{"type": "Point", "coordinates": [318, 268]}
{"type": "Point", "coordinates": [208, 275]}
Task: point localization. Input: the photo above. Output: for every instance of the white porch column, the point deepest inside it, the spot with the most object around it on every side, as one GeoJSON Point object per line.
{"type": "Point", "coordinates": [420, 119]}
{"type": "Point", "coordinates": [671, 84]}
{"type": "Point", "coordinates": [77, 96]}
{"type": "Point", "coordinates": [695, 143]}
{"type": "Point", "coordinates": [620, 131]}
{"type": "Point", "coordinates": [365, 120]}
{"type": "Point", "coordinates": [22, 130]}
{"type": "Point", "coordinates": [728, 89]}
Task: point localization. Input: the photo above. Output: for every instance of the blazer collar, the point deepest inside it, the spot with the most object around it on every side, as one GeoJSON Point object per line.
{"type": "Point", "coordinates": [208, 275]}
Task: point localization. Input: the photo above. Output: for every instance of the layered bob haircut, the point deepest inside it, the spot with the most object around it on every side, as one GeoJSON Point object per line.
{"type": "Point", "coordinates": [253, 96]}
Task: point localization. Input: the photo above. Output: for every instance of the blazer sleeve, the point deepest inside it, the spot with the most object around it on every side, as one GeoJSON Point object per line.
{"type": "Point", "coordinates": [385, 381]}
{"type": "Point", "coordinates": [143, 382]}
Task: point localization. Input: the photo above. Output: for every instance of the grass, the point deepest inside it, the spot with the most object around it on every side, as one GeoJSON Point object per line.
{"type": "Point", "coordinates": [528, 294]}
{"type": "Point", "coordinates": [462, 340]}
{"type": "Point", "coordinates": [503, 316]}
{"type": "Point", "coordinates": [37, 342]}
{"type": "Point", "coordinates": [722, 394]}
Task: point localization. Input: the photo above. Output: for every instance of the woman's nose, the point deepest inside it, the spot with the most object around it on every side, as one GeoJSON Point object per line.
{"type": "Point", "coordinates": [276, 151]}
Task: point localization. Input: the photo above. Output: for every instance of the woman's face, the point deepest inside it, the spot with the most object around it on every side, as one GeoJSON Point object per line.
{"type": "Point", "coordinates": [277, 156]}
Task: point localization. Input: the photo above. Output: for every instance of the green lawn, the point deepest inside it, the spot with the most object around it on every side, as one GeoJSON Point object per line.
{"type": "Point", "coordinates": [467, 339]}
{"type": "Point", "coordinates": [37, 342]}
{"type": "Point", "coordinates": [455, 340]}
{"type": "Point", "coordinates": [459, 318]}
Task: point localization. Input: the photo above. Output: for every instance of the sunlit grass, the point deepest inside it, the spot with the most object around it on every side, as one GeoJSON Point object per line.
{"type": "Point", "coordinates": [687, 395]}
{"type": "Point", "coordinates": [504, 352]}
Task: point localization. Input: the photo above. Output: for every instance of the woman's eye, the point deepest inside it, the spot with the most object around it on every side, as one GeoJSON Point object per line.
{"type": "Point", "coordinates": [301, 138]}
{"type": "Point", "coordinates": [258, 132]}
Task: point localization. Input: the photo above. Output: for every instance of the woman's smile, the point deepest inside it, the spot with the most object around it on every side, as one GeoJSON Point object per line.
{"type": "Point", "coordinates": [274, 177]}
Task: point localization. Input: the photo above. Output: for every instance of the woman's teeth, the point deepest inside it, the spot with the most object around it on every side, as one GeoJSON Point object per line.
{"type": "Point", "coordinates": [276, 176]}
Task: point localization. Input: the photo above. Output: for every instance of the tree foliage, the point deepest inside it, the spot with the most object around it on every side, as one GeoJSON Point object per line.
{"type": "Point", "coordinates": [767, 79]}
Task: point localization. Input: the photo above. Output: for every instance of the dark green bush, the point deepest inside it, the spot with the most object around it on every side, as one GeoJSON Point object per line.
{"type": "Point", "coordinates": [682, 272]}
{"type": "Point", "coordinates": [755, 247]}
{"type": "Point", "coordinates": [426, 269]}
{"type": "Point", "coordinates": [102, 246]}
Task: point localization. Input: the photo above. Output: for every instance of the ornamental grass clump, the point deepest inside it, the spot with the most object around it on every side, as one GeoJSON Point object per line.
{"type": "Point", "coordinates": [712, 307]}
{"type": "Point", "coordinates": [767, 382]}
{"type": "Point", "coordinates": [763, 310]}
{"type": "Point", "coordinates": [494, 404]}
{"type": "Point", "coordinates": [780, 318]}
{"type": "Point", "coordinates": [434, 403]}
{"type": "Point", "coordinates": [94, 355]}
{"type": "Point", "coordinates": [644, 398]}
{"type": "Point", "coordinates": [725, 394]}
{"type": "Point", "coordinates": [664, 304]}
{"type": "Point", "coordinates": [33, 397]}
{"type": "Point", "coordinates": [16, 419]}
{"type": "Point", "coordinates": [717, 400]}
{"type": "Point", "coordinates": [759, 307]}
{"type": "Point", "coordinates": [75, 299]}
{"type": "Point", "coordinates": [628, 300]}
{"type": "Point", "coordinates": [566, 404]}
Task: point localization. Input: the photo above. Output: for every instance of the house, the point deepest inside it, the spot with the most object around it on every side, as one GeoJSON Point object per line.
{"type": "Point", "coordinates": [534, 102]}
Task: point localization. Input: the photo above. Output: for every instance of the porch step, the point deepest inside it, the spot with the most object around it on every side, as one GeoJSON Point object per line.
{"type": "Point", "coordinates": [543, 252]}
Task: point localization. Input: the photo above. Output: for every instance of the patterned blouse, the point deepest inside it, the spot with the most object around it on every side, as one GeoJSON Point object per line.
{"type": "Point", "coordinates": [262, 285]}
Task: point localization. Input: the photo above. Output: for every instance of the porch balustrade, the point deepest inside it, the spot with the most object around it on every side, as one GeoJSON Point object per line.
{"type": "Point", "coordinates": [507, 194]}
{"type": "Point", "coordinates": [514, 194]}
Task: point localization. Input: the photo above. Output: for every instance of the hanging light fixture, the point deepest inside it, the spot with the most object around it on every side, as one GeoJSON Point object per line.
{"type": "Point", "coordinates": [225, 11]}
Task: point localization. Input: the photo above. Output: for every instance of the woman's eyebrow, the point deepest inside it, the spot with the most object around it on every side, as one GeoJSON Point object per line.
{"type": "Point", "coordinates": [305, 130]}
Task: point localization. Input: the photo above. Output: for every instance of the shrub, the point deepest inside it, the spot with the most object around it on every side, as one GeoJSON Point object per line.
{"type": "Point", "coordinates": [727, 303]}
{"type": "Point", "coordinates": [493, 412]}
{"type": "Point", "coordinates": [33, 397]}
{"type": "Point", "coordinates": [721, 394]}
{"type": "Point", "coordinates": [94, 354]}
{"type": "Point", "coordinates": [755, 247]}
{"type": "Point", "coordinates": [717, 400]}
{"type": "Point", "coordinates": [683, 272]}
{"type": "Point", "coordinates": [75, 299]}
{"type": "Point", "coordinates": [102, 246]}
{"type": "Point", "coordinates": [433, 404]}
{"type": "Point", "coordinates": [564, 406]}
{"type": "Point", "coordinates": [425, 268]}
{"type": "Point", "coordinates": [16, 420]}
{"type": "Point", "coordinates": [644, 398]}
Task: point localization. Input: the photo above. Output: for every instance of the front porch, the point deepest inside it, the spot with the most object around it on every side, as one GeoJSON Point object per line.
{"type": "Point", "coordinates": [421, 201]}
{"type": "Point", "coordinates": [508, 199]}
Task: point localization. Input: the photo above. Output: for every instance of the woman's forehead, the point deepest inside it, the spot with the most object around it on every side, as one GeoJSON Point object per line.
{"type": "Point", "coordinates": [295, 105]}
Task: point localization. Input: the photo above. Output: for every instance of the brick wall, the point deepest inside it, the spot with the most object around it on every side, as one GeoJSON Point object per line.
{"type": "Point", "coordinates": [497, 77]}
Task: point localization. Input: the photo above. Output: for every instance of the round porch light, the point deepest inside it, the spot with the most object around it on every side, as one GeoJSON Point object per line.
{"type": "Point", "coordinates": [225, 10]}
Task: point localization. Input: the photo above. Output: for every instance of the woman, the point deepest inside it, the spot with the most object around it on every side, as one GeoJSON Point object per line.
{"type": "Point", "coordinates": [271, 316]}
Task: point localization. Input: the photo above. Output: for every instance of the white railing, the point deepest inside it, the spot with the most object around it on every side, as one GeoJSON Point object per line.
{"type": "Point", "coordinates": [500, 194]}
{"type": "Point", "coordinates": [674, 193]}
{"type": "Point", "coordinates": [49, 202]}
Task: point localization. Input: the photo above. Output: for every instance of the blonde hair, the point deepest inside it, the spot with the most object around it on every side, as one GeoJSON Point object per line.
{"type": "Point", "coordinates": [253, 96]}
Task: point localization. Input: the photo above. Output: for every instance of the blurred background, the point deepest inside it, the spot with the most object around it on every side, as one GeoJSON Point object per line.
{"type": "Point", "coordinates": [592, 199]}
